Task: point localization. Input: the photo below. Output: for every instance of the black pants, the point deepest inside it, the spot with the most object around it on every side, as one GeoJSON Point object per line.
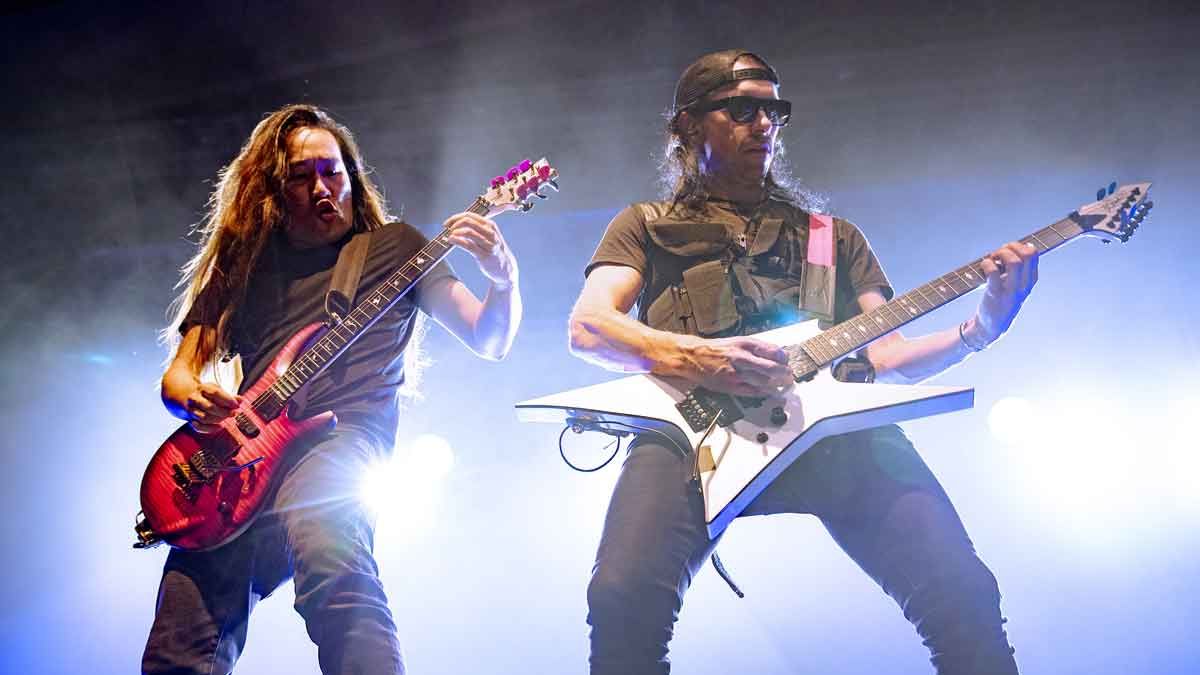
{"type": "Point", "coordinates": [315, 530]}
{"type": "Point", "coordinates": [876, 498]}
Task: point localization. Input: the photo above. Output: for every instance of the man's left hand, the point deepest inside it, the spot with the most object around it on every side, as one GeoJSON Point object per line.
{"type": "Point", "coordinates": [1011, 273]}
{"type": "Point", "coordinates": [481, 238]}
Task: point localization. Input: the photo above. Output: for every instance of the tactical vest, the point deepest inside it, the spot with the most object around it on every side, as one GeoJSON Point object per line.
{"type": "Point", "coordinates": [741, 284]}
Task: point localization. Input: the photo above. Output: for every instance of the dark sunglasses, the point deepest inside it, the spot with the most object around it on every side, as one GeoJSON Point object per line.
{"type": "Point", "coordinates": [743, 109]}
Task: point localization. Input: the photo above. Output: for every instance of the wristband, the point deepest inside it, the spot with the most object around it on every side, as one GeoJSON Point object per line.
{"type": "Point", "coordinates": [962, 336]}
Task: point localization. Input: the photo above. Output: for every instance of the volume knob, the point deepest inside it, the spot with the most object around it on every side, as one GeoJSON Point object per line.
{"type": "Point", "coordinates": [779, 416]}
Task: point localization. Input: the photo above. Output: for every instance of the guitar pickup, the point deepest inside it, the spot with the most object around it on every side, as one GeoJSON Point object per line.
{"type": "Point", "coordinates": [183, 475]}
{"type": "Point", "coordinates": [247, 426]}
{"type": "Point", "coordinates": [701, 406]}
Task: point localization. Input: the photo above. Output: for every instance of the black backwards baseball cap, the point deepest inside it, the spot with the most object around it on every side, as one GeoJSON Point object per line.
{"type": "Point", "coordinates": [715, 70]}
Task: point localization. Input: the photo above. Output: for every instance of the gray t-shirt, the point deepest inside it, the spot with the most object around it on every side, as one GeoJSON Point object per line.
{"type": "Point", "coordinates": [287, 292]}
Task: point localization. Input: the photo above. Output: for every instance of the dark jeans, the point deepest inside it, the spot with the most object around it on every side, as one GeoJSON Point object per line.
{"type": "Point", "coordinates": [873, 494]}
{"type": "Point", "coordinates": [315, 530]}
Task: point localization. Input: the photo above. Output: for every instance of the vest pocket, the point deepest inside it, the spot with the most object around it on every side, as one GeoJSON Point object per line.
{"type": "Point", "coordinates": [711, 297]}
{"type": "Point", "coordinates": [672, 311]}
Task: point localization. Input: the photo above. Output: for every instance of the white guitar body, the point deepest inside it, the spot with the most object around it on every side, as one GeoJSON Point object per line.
{"type": "Point", "coordinates": [742, 463]}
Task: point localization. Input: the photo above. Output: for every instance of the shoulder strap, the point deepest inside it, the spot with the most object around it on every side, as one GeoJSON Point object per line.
{"type": "Point", "coordinates": [346, 273]}
{"type": "Point", "coordinates": [819, 276]}
{"type": "Point", "coordinates": [339, 299]}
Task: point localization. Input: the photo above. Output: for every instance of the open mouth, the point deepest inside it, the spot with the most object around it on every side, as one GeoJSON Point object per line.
{"type": "Point", "coordinates": [327, 210]}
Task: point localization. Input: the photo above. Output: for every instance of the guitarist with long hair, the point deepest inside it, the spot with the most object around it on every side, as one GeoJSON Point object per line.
{"type": "Point", "coordinates": [739, 248]}
{"type": "Point", "coordinates": [281, 213]}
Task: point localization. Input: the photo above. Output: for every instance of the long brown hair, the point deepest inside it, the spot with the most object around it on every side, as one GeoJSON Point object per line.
{"type": "Point", "coordinates": [243, 210]}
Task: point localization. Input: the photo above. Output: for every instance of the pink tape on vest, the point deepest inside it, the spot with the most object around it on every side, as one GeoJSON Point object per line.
{"type": "Point", "coordinates": [820, 240]}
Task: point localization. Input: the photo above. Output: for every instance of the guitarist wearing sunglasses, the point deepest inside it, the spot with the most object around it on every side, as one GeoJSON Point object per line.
{"type": "Point", "coordinates": [734, 250]}
{"type": "Point", "coordinates": [279, 217]}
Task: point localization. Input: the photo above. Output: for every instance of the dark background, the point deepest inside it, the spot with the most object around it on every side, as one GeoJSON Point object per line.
{"type": "Point", "coordinates": [942, 128]}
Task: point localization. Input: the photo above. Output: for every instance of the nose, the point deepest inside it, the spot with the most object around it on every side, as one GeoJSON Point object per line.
{"type": "Point", "coordinates": [320, 189]}
{"type": "Point", "coordinates": [762, 122]}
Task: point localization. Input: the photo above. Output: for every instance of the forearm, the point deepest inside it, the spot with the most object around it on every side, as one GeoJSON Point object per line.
{"type": "Point", "coordinates": [903, 360]}
{"type": "Point", "coordinates": [178, 382]}
{"type": "Point", "coordinates": [182, 375]}
{"type": "Point", "coordinates": [498, 320]}
{"type": "Point", "coordinates": [617, 342]}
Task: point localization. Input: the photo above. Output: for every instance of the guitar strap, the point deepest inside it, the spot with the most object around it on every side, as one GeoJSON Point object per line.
{"type": "Point", "coordinates": [818, 278]}
{"type": "Point", "coordinates": [339, 300]}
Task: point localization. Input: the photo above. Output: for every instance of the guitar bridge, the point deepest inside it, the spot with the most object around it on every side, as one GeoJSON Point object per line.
{"type": "Point", "coordinates": [701, 406]}
{"type": "Point", "coordinates": [199, 469]}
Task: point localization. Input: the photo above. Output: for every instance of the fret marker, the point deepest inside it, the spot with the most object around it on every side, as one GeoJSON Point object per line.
{"type": "Point", "coordinates": [375, 300]}
{"type": "Point", "coordinates": [861, 329]}
{"type": "Point", "coordinates": [968, 275]}
{"type": "Point", "coordinates": [420, 260]}
{"type": "Point", "coordinates": [879, 321]}
{"type": "Point", "coordinates": [912, 311]}
{"type": "Point", "coordinates": [846, 334]}
{"type": "Point", "coordinates": [833, 341]}
{"type": "Point", "coordinates": [941, 288]}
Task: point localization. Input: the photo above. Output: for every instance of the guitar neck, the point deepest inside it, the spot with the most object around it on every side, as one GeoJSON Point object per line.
{"type": "Point", "coordinates": [318, 356]}
{"type": "Point", "coordinates": [854, 334]}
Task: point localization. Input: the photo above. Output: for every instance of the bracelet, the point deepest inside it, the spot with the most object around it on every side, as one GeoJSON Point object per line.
{"type": "Point", "coordinates": [961, 336]}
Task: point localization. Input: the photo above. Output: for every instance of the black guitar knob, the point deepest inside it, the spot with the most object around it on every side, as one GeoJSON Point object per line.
{"type": "Point", "coordinates": [779, 416]}
{"type": "Point", "coordinates": [225, 508]}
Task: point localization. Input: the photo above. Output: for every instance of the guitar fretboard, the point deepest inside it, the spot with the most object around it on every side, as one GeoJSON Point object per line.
{"type": "Point", "coordinates": [854, 334]}
{"type": "Point", "coordinates": [369, 308]}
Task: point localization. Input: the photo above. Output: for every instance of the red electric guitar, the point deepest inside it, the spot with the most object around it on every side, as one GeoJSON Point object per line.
{"type": "Point", "coordinates": [201, 490]}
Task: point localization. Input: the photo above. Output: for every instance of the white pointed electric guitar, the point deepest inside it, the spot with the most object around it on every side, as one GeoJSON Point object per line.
{"type": "Point", "coordinates": [743, 444]}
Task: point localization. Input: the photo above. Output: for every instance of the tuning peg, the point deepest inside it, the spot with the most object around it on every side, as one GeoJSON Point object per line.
{"type": "Point", "coordinates": [1099, 194]}
{"type": "Point", "coordinates": [512, 173]}
{"type": "Point", "coordinates": [525, 165]}
{"type": "Point", "coordinates": [1112, 187]}
{"type": "Point", "coordinates": [497, 181]}
{"type": "Point", "coordinates": [553, 184]}
{"type": "Point", "coordinates": [543, 171]}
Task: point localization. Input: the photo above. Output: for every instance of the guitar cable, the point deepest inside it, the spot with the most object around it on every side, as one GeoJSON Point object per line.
{"type": "Point", "coordinates": [580, 425]}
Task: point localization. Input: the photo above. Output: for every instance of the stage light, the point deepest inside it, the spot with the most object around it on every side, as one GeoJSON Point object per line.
{"type": "Point", "coordinates": [409, 482]}
{"type": "Point", "coordinates": [430, 456]}
{"type": "Point", "coordinates": [1075, 454]}
{"type": "Point", "coordinates": [1011, 418]}
{"type": "Point", "coordinates": [1104, 469]}
{"type": "Point", "coordinates": [1182, 451]}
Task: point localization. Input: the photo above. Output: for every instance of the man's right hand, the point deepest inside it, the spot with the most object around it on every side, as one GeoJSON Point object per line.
{"type": "Point", "coordinates": [207, 405]}
{"type": "Point", "coordinates": [738, 365]}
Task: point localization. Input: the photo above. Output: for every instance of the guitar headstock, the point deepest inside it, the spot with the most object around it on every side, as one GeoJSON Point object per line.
{"type": "Point", "coordinates": [517, 188]}
{"type": "Point", "coordinates": [1116, 213]}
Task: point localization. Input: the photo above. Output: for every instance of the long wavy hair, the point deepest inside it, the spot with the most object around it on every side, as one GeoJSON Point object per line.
{"type": "Point", "coordinates": [682, 180]}
{"type": "Point", "coordinates": [244, 209]}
